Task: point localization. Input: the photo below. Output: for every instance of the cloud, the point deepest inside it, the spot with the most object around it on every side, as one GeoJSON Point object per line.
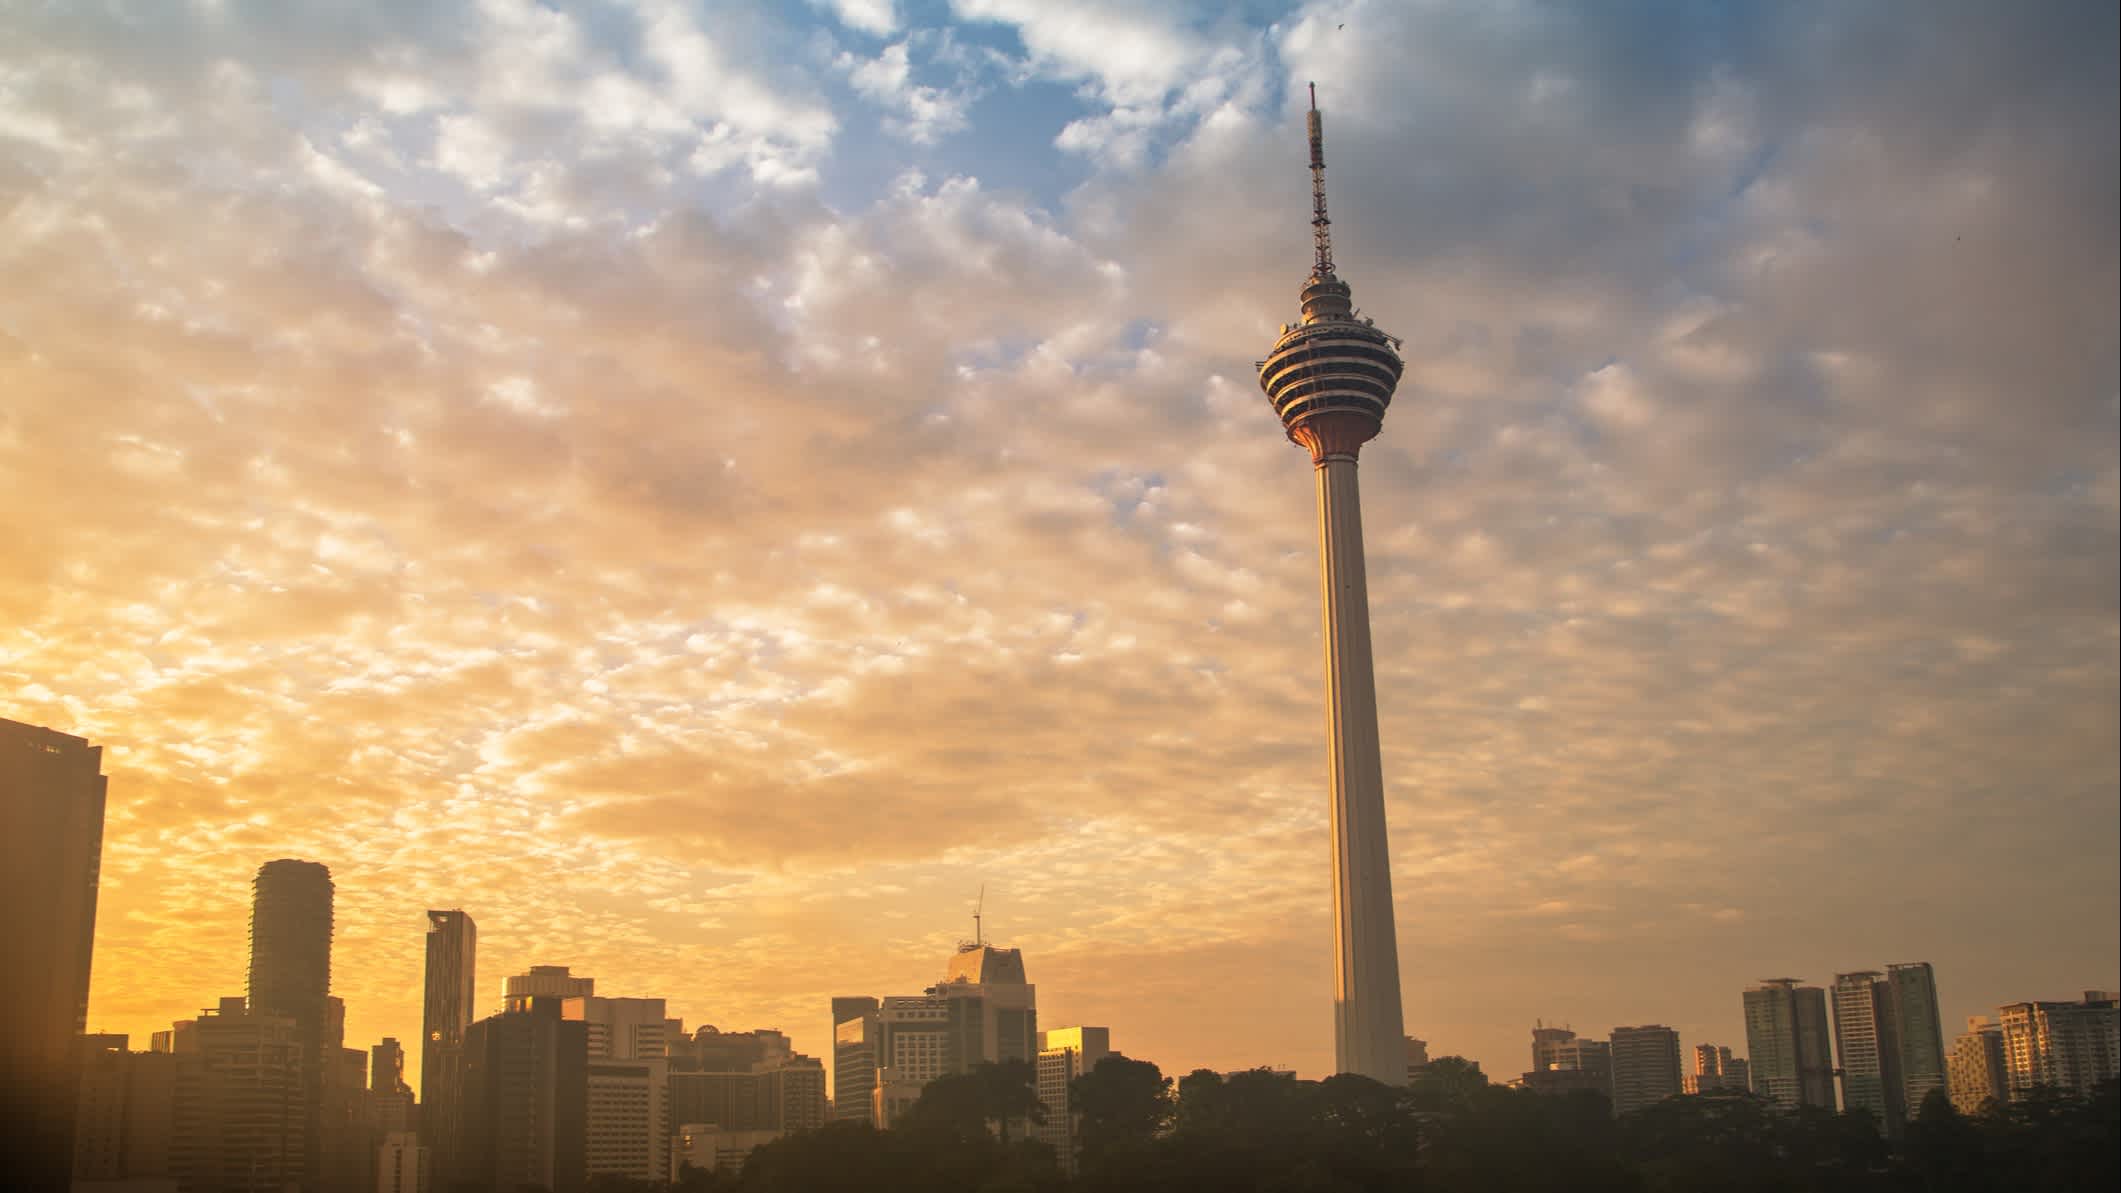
{"type": "Point", "coordinates": [466, 446]}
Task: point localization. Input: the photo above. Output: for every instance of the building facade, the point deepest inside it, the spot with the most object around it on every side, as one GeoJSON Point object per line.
{"type": "Point", "coordinates": [1716, 1070]}
{"type": "Point", "coordinates": [1787, 1038]}
{"type": "Point", "coordinates": [1867, 1048]}
{"type": "Point", "coordinates": [52, 792]}
{"type": "Point", "coordinates": [449, 993]}
{"type": "Point", "coordinates": [290, 976]}
{"type": "Point", "coordinates": [1645, 1062]}
{"type": "Point", "coordinates": [983, 1011]}
{"type": "Point", "coordinates": [525, 1093]}
{"type": "Point", "coordinates": [1975, 1073]}
{"type": "Point", "coordinates": [2070, 1046]}
{"type": "Point", "coordinates": [239, 1117]}
{"type": "Point", "coordinates": [544, 981]}
{"type": "Point", "coordinates": [1911, 993]}
{"type": "Point", "coordinates": [1065, 1054]}
{"type": "Point", "coordinates": [401, 1164]}
{"type": "Point", "coordinates": [855, 1030]}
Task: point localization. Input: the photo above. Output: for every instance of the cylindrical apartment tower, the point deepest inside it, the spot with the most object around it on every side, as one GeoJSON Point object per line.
{"type": "Point", "coordinates": [1330, 378]}
{"type": "Point", "coordinates": [290, 974]}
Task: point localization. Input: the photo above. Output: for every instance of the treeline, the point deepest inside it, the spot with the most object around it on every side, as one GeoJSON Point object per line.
{"type": "Point", "coordinates": [1450, 1132]}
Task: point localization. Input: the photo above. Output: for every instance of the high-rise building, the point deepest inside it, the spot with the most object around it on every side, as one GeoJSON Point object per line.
{"type": "Point", "coordinates": [1065, 1054]}
{"type": "Point", "coordinates": [628, 1120]}
{"type": "Point", "coordinates": [1716, 1070]}
{"type": "Point", "coordinates": [450, 992]}
{"type": "Point", "coordinates": [1911, 993]}
{"type": "Point", "coordinates": [1565, 1063]}
{"type": "Point", "coordinates": [1645, 1066]}
{"type": "Point", "coordinates": [1867, 1046]}
{"type": "Point", "coordinates": [524, 1108]}
{"type": "Point", "coordinates": [544, 981]}
{"type": "Point", "coordinates": [1546, 1045]}
{"type": "Point", "coordinates": [621, 1028]}
{"type": "Point", "coordinates": [983, 1011]}
{"type": "Point", "coordinates": [854, 1043]}
{"type": "Point", "coordinates": [1786, 1035]}
{"type": "Point", "coordinates": [126, 1119]}
{"type": "Point", "coordinates": [51, 829]}
{"type": "Point", "coordinates": [239, 1115]}
{"type": "Point", "coordinates": [1975, 1072]}
{"type": "Point", "coordinates": [290, 976]}
{"type": "Point", "coordinates": [1330, 377]}
{"type": "Point", "coordinates": [2071, 1046]}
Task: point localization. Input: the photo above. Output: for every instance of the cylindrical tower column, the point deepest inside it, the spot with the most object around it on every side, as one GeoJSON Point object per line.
{"type": "Point", "coordinates": [1369, 1035]}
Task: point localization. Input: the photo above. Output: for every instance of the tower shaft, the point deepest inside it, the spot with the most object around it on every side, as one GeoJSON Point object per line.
{"type": "Point", "coordinates": [1368, 1032]}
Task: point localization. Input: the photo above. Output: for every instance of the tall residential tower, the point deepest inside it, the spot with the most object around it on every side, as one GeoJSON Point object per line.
{"type": "Point", "coordinates": [1330, 377]}
{"type": "Point", "coordinates": [290, 977]}
{"type": "Point", "coordinates": [452, 983]}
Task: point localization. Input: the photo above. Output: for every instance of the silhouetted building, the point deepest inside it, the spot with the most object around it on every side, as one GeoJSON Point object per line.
{"type": "Point", "coordinates": [1911, 994]}
{"type": "Point", "coordinates": [544, 981]}
{"type": "Point", "coordinates": [290, 976]}
{"type": "Point", "coordinates": [525, 1091]}
{"type": "Point", "coordinates": [1786, 1036]}
{"type": "Point", "coordinates": [1563, 1062]}
{"type": "Point", "coordinates": [51, 829]}
{"type": "Point", "coordinates": [1417, 1057]}
{"type": "Point", "coordinates": [1546, 1043]}
{"type": "Point", "coordinates": [1975, 1073]}
{"type": "Point", "coordinates": [238, 1124]}
{"type": "Point", "coordinates": [450, 993]}
{"type": "Point", "coordinates": [1868, 1049]}
{"type": "Point", "coordinates": [1645, 1064]}
{"type": "Point", "coordinates": [123, 1129]}
{"type": "Point", "coordinates": [2070, 1046]}
{"type": "Point", "coordinates": [390, 1098]}
{"type": "Point", "coordinates": [1716, 1070]}
{"type": "Point", "coordinates": [1065, 1054]}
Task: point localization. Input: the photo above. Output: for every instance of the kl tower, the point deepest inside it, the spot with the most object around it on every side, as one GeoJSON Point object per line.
{"type": "Point", "coordinates": [1330, 377]}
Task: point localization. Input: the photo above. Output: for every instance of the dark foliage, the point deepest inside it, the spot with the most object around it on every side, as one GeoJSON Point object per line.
{"type": "Point", "coordinates": [1451, 1132]}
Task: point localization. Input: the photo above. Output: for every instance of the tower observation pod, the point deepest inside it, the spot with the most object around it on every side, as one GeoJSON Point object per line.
{"type": "Point", "coordinates": [1330, 378]}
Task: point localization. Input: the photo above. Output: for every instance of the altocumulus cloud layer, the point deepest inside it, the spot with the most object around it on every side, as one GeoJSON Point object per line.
{"type": "Point", "coordinates": [703, 488]}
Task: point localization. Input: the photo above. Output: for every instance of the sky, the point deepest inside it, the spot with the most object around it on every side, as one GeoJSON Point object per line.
{"type": "Point", "coordinates": [708, 488]}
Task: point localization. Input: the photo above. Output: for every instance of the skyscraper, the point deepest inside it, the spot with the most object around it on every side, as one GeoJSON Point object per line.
{"type": "Point", "coordinates": [525, 1101]}
{"type": "Point", "coordinates": [290, 976]}
{"type": "Point", "coordinates": [1786, 1035]}
{"type": "Point", "coordinates": [238, 1123]}
{"type": "Point", "coordinates": [451, 989]}
{"type": "Point", "coordinates": [1330, 377]}
{"type": "Point", "coordinates": [1867, 1048]}
{"type": "Point", "coordinates": [51, 832]}
{"type": "Point", "coordinates": [1912, 994]}
{"type": "Point", "coordinates": [1645, 1066]}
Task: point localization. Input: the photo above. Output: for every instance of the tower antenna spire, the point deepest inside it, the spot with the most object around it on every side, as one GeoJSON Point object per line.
{"type": "Point", "coordinates": [1321, 227]}
{"type": "Point", "coordinates": [979, 937]}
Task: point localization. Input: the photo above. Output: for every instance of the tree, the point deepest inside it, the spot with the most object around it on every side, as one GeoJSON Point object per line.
{"type": "Point", "coordinates": [1124, 1103]}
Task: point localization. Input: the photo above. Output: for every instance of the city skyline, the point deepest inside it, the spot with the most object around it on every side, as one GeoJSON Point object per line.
{"type": "Point", "coordinates": [704, 496]}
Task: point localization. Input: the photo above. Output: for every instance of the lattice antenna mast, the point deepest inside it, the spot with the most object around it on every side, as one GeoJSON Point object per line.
{"type": "Point", "coordinates": [1321, 227]}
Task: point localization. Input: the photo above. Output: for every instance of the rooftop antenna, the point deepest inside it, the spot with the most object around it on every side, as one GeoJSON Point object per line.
{"type": "Point", "coordinates": [977, 937]}
{"type": "Point", "coordinates": [1321, 227]}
